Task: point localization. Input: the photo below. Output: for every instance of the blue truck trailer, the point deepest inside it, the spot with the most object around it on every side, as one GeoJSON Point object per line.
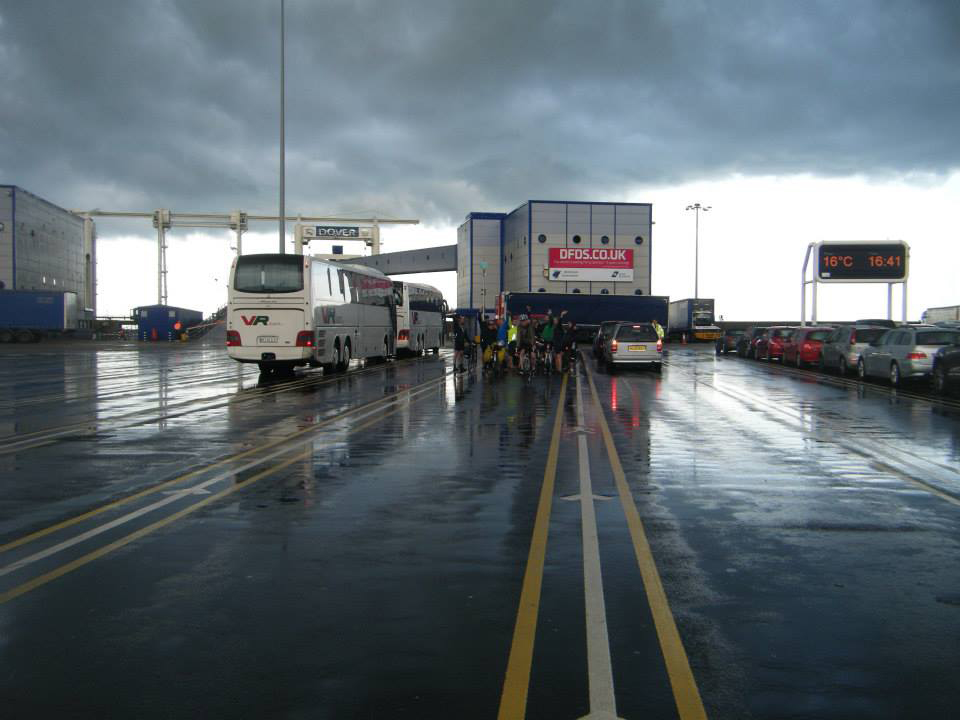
{"type": "Point", "coordinates": [588, 311]}
{"type": "Point", "coordinates": [29, 315]}
{"type": "Point", "coordinates": [693, 319]}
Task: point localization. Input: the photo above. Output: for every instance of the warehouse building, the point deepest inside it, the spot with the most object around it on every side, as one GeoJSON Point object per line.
{"type": "Point", "coordinates": [44, 247]}
{"type": "Point", "coordinates": [593, 248]}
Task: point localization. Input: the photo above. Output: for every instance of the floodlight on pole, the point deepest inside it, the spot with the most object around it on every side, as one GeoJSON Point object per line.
{"type": "Point", "coordinates": [282, 214]}
{"type": "Point", "coordinates": [697, 207]}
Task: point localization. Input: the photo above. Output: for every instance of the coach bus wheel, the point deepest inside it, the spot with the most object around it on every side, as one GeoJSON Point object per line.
{"type": "Point", "coordinates": [6, 336]}
{"type": "Point", "coordinates": [344, 358]}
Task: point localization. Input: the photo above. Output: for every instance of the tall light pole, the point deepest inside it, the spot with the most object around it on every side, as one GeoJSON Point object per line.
{"type": "Point", "coordinates": [696, 253]}
{"type": "Point", "coordinates": [283, 214]}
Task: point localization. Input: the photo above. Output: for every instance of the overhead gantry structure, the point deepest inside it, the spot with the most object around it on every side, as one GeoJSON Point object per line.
{"type": "Point", "coordinates": [238, 221]}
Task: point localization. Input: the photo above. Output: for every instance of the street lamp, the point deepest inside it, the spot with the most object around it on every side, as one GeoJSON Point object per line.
{"type": "Point", "coordinates": [696, 253]}
{"type": "Point", "coordinates": [283, 214]}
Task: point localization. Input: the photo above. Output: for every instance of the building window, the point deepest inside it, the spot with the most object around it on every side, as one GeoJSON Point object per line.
{"type": "Point", "coordinates": [576, 290]}
{"type": "Point", "coordinates": [605, 240]}
{"type": "Point", "coordinates": [541, 238]}
{"type": "Point", "coordinates": [638, 291]}
{"type": "Point", "coordinates": [576, 239]}
{"type": "Point", "coordinates": [604, 292]}
{"type": "Point", "coordinates": [511, 256]}
{"type": "Point", "coordinates": [638, 240]}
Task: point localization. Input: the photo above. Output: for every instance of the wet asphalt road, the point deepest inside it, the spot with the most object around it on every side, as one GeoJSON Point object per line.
{"type": "Point", "coordinates": [178, 540]}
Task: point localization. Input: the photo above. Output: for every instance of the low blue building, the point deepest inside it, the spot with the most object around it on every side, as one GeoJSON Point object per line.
{"type": "Point", "coordinates": [164, 322]}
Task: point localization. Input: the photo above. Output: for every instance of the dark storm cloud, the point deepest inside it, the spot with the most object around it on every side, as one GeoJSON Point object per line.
{"type": "Point", "coordinates": [436, 108]}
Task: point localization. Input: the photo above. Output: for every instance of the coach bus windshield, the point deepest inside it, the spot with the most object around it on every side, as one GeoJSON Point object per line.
{"type": "Point", "coordinates": [269, 274]}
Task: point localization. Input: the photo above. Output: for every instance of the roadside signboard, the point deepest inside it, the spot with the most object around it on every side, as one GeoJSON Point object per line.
{"type": "Point", "coordinates": [590, 264]}
{"type": "Point", "coordinates": [857, 262]}
{"type": "Point", "coordinates": [336, 232]}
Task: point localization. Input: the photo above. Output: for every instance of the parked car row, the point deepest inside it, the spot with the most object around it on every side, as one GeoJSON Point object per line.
{"type": "Point", "coordinates": [871, 348]}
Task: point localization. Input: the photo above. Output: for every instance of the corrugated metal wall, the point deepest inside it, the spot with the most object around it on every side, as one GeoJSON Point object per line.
{"type": "Point", "coordinates": [44, 247]}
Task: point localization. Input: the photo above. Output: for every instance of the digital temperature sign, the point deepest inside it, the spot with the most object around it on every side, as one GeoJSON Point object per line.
{"type": "Point", "coordinates": [862, 262]}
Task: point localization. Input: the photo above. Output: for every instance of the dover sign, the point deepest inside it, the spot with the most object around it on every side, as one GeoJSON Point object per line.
{"type": "Point", "coordinates": [337, 232]}
{"type": "Point", "coordinates": [591, 264]}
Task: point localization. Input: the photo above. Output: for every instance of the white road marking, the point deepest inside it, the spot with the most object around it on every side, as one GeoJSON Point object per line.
{"type": "Point", "coordinates": [603, 703]}
{"type": "Point", "coordinates": [198, 489]}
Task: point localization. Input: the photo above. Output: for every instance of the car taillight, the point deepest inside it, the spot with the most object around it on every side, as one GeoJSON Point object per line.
{"type": "Point", "coordinates": [917, 356]}
{"type": "Point", "coordinates": [403, 335]}
{"type": "Point", "coordinates": [807, 347]}
{"type": "Point", "coordinates": [659, 345]}
{"type": "Point", "coordinates": [233, 338]}
{"type": "Point", "coordinates": [305, 338]}
{"type": "Point", "coordinates": [613, 346]}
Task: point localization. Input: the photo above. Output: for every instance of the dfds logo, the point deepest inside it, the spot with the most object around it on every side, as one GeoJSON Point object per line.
{"type": "Point", "coordinates": [593, 254]}
{"type": "Point", "coordinates": [255, 319]}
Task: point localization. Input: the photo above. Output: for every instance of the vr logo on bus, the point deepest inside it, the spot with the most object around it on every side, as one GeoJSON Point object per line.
{"type": "Point", "coordinates": [255, 319]}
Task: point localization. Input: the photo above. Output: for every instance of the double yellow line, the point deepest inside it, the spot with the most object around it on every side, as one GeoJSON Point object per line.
{"type": "Point", "coordinates": [513, 699]}
{"type": "Point", "coordinates": [137, 534]}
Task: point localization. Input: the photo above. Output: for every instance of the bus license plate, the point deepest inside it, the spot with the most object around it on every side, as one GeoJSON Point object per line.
{"type": "Point", "coordinates": [637, 348]}
{"type": "Point", "coordinates": [268, 339]}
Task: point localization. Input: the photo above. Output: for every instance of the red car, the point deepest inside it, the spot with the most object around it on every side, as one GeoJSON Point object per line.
{"type": "Point", "coordinates": [804, 346]}
{"type": "Point", "coordinates": [770, 345]}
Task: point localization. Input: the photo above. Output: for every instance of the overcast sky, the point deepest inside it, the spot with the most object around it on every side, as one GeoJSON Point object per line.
{"type": "Point", "coordinates": [798, 121]}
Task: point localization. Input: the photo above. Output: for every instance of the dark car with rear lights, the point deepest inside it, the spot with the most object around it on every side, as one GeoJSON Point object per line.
{"type": "Point", "coordinates": [946, 368]}
{"type": "Point", "coordinates": [603, 336]}
{"type": "Point", "coordinates": [770, 345]}
{"type": "Point", "coordinates": [746, 344]}
{"type": "Point", "coordinates": [727, 342]}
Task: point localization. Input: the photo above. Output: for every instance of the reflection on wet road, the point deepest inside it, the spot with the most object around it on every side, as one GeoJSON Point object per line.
{"type": "Point", "coordinates": [178, 539]}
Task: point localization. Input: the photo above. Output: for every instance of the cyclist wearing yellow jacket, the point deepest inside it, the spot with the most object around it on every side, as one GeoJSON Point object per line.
{"type": "Point", "coordinates": [511, 340]}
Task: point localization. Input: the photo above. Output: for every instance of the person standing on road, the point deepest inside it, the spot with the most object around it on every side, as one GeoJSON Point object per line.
{"type": "Point", "coordinates": [459, 343]}
{"type": "Point", "coordinates": [488, 338]}
{"type": "Point", "coordinates": [658, 328]}
{"type": "Point", "coordinates": [558, 340]}
{"type": "Point", "coordinates": [526, 336]}
{"type": "Point", "coordinates": [511, 341]}
{"type": "Point", "coordinates": [546, 333]}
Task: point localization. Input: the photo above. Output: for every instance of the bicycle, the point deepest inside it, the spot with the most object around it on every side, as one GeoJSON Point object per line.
{"type": "Point", "coordinates": [526, 363]}
{"type": "Point", "coordinates": [493, 358]}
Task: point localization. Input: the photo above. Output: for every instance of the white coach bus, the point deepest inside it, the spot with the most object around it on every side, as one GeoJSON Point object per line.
{"type": "Point", "coordinates": [420, 313]}
{"type": "Point", "coordinates": [290, 310]}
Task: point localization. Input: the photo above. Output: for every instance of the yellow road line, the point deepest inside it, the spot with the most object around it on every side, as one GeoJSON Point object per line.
{"type": "Point", "coordinates": [685, 692]}
{"type": "Point", "coordinates": [179, 479]}
{"type": "Point", "coordinates": [513, 699]}
{"type": "Point", "coordinates": [58, 572]}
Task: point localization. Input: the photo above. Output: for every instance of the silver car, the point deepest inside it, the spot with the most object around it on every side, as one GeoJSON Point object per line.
{"type": "Point", "coordinates": [635, 344]}
{"type": "Point", "coordinates": [843, 348]}
{"type": "Point", "coordinates": [904, 353]}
